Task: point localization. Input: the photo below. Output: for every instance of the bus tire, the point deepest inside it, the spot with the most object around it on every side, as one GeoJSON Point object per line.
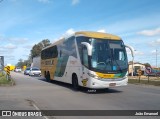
{"type": "Point", "coordinates": [45, 75]}
{"type": "Point", "coordinates": [48, 77]}
{"type": "Point", "coordinates": [75, 82]}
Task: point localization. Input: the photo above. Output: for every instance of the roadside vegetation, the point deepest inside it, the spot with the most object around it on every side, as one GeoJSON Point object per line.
{"type": "Point", "coordinates": [4, 81]}
{"type": "Point", "coordinates": [152, 80]}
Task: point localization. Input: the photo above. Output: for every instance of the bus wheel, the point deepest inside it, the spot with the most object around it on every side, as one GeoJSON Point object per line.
{"type": "Point", "coordinates": [75, 82]}
{"type": "Point", "coordinates": [45, 75]}
{"type": "Point", "coordinates": [48, 77]}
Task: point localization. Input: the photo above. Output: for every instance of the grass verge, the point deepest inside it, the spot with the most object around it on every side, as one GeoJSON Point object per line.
{"type": "Point", "coordinates": [151, 82]}
{"type": "Point", "coordinates": [4, 81]}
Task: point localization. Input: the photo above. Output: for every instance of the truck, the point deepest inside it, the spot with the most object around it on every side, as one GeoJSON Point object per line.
{"type": "Point", "coordinates": [36, 62]}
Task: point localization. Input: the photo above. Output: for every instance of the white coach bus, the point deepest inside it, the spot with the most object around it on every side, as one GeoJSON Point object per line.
{"type": "Point", "coordinates": [88, 59]}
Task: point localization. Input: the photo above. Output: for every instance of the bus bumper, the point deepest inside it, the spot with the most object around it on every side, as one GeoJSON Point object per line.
{"type": "Point", "coordinates": [99, 84]}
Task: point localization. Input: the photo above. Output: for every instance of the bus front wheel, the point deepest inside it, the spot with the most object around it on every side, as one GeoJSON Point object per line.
{"type": "Point", "coordinates": [75, 82]}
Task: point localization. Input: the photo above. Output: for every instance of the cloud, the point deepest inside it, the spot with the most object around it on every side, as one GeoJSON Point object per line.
{"type": "Point", "coordinates": [154, 52]}
{"type": "Point", "coordinates": [102, 31]}
{"type": "Point", "coordinates": [10, 57]}
{"type": "Point", "coordinates": [18, 40]}
{"type": "Point", "coordinates": [138, 53]}
{"type": "Point", "coordinates": [75, 2]}
{"type": "Point", "coordinates": [155, 43]}
{"type": "Point", "coordinates": [152, 32]}
{"type": "Point", "coordinates": [134, 51]}
{"type": "Point", "coordinates": [3, 51]}
{"type": "Point", "coordinates": [14, 40]}
{"type": "Point", "coordinates": [69, 32]}
{"type": "Point", "coordinates": [129, 26]}
{"type": "Point", "coordinates": [28, 46]}
{"type": "Point", "coordinates": [10, 46]}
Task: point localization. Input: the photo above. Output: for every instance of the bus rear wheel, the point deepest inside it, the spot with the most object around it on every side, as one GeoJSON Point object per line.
{"type": "Point", "coordinates": [75, 82]}
{"type": "Point", "coordinates": [48, 77]}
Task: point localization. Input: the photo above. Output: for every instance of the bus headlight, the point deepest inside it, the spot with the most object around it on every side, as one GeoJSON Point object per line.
{"type": "Point", "coordinates": [93, 76]}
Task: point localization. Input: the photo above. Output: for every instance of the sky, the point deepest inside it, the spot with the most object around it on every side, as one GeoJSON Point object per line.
{"type": "Point", "coordinates": [24, 23]}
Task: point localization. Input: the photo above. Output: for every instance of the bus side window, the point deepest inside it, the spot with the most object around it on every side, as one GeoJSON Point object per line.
{"type": "Point", "coordinates": [84, 56]}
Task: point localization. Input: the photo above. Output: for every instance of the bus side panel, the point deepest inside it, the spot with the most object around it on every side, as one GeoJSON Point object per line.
{"type": "Point", "coordinates": [71, 67]}
{"type": "Point", "coordinates": [68, 61]}
{"type": "Point", "coordinates": [49, 65]}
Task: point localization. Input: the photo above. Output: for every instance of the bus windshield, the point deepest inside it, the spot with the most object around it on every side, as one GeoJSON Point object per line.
{"type": "Point", "coordinates": [108, 56]}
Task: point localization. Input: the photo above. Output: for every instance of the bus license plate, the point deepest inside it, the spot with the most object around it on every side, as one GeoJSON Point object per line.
{"type": "Point", "coordinates": [112, 84]}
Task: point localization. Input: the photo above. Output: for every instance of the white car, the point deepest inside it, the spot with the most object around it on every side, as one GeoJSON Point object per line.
{"type": "Point", "coordinates": [17, 69]}
{"type": "Point", "coordinates": [34, 71]}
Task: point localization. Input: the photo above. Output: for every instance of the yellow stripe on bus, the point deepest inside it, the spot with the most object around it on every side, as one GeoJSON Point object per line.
{"type": "Point", "coordinates": [102, 75]}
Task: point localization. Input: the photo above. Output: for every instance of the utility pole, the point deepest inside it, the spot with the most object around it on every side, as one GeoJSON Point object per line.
{"type": "Point", "coordinates": [156, 58]}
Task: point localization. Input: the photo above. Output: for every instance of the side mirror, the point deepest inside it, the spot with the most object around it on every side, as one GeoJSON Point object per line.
{"type": "Point", "coordinates": [131, 49]}
{"type": "Point", "coordinates": [132, 53]}
{"type": "Point", "coordinates": [89, 47]}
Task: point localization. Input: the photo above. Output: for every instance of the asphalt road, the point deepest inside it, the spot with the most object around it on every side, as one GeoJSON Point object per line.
{"type": "Point", "coordinates": [32, 93]}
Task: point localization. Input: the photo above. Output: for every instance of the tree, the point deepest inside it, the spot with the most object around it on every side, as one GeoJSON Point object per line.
{"type": "Point", "coordinates": [45, 42]}
{"type": "Point", "coordinates": [20, 63]}
{"type": "Point", "coordinates": [36, 49]}
{"type": "Point", "coordinates": [147, 65]}
{"type": "Point", "coordinates": [29, 61]}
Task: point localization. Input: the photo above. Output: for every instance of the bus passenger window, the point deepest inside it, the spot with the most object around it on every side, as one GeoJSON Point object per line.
{"type": "Point", "coordinates": [85, 57]}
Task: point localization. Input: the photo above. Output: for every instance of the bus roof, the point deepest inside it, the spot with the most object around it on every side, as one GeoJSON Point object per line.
{"type": "Point", "coordinates": [88, 34]}
{"type": "Point", "coordinates": [55, 43]}
{"type": "Point", "coordinates": [98, 35]}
